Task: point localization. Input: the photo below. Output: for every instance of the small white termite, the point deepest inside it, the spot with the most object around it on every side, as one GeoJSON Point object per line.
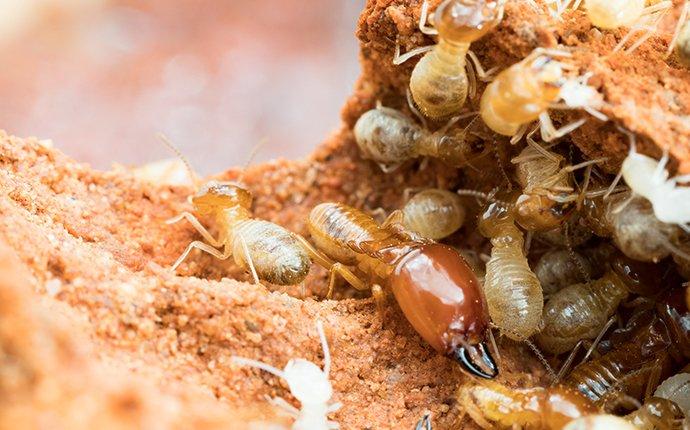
{"type": "Point", "coordinates": [649, 178]}
{"type": "Point", "coordinates": [309, 384]}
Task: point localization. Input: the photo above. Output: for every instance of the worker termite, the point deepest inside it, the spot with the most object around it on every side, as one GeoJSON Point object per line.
{"type": "Point", "coordinates": [649, 178]}
{"type": "Point", "coordinates": [639, 15]}
{"type": "Point", "coordinates": [560, 268]}
{"type": "Point", "coordinates": [433, 213]}
{"type": "Point", "coordinates": [512, 290]}
{"type": "Point", "coordinates": [525, 91]}
{"type": "Point", "coordinates": [657, 414]}
{"type": "Point", "coordinates": [434, 286]}
{"type": "Point", "coordinates": [439, 83]}
{"type": "Point", "coordinates": [269, 251]}
{"type": "Point", "coordinates": [676, 389]}
{"type": "Point", "coordinates": [492, 405]}
{"type": "Point", "coordinates": [599, 422]}
{"type": "Point", "coordinates": [630, 220]}
{"type": "Point", "coordinates": [548, 196]}
{"type": "Point", "coordinates": [308, 384]}
{"type": "Point", "coordinates": [580, 312]}
{"type": "Point", "coordinates": [389, 137]}
{"type": "Point", "coordinates": [652, 339]}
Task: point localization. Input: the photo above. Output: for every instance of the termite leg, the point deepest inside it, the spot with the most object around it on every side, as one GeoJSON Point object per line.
{"type": "Point", "coordinates": [197, 225]}
{"type": "Point", "coordinates": [334, 268]}
{"type": "Point", "coordinates": [423, 20]}
{"type": "Point", "coordinates": [394, 224]}
{"type": "Point", "coordinates": [596, 341]}
{"type": "Point", "coordinates": [399, 58]}
{"type": "Point", "coordinates": [549, 132]}
{"type": "Point", "coordinates": [204, 247]}
{"type": "Point", "coordinates": [281, 403]}
{"type": "Point", "coordinates": [483, 75]}
{"type": "Point", "coordinates": [568, 362]}
{"type": "Point", "coordinates": [248, 260]}
{"type": "Point", "coordinates": [380, 298]}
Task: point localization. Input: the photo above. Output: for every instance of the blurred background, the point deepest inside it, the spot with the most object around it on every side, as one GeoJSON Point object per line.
{"type": "Point", "coordinates": [102, 77]}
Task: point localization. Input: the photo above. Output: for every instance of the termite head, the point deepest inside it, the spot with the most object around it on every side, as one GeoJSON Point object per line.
{"type": "Point", "coordinates": [536, 212]}
{"type": "Point", "coordinates": [494, 217]}
{"type": "Point", "coordinates": [441, 297]}
{"type": "Point", "coordinates": [214, 196]}
{"type": "Point", "coordinates": [549, 76]}
{"type": "Point", "coordinates": [308, 383]}
{"type": "Point", "coordinates": [464, 21]}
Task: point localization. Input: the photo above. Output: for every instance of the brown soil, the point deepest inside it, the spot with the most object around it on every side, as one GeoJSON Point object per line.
{"type": "Point", "coordinates": [95, 332]}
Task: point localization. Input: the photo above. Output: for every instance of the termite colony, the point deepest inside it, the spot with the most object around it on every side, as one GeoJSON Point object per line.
{"type": "Point", "coordinates": [583, 267]}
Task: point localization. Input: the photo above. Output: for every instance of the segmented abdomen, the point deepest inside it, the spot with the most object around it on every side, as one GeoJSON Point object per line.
{"type": "Point", "coordinates": [333, 225]}
{"type": "Point", "coordinates": [513, 293]}
{"type": "Point", "coordinates": [275, 252]}
{"type": "Point", "coordinates": [387, 136]}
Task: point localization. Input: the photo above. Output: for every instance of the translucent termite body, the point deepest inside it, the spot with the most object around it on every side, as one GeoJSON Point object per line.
{"type": "Point", "coordinates": [309, 384]}
{"type": "Point", "coordinates": [547, 199]}
{"type": "Point", "coordinates": [512, 290]}
{"type": "Point", "coordinates": [389, 137]}
{"type": "Point", "coordinates": [439, 83]}
{"type": "Point", "coordinates": [561, 268]}
{"type": "Point", "coordinates": [657, 414]}
{"type": "Point", "coordinates": [599, 422]}
{"type": "Point", "coordinates": [435, 288]}
{"type": "Point", "coordinates": [492, 405]}
{"type": "Point", "coordinates": [629, 219]}
{"type": "Point", "coordinates": [677, 389]}
{"type": "Point", "coordinates": [581, 311]}
{"type": "Point", "coordinates": [271, 252]}
{"type": "Point", "coordinates": [434, 213]}
{"type": "Point", "coordinates": [652, 340]}
{"type": "Point", "coordinates": [525, 91]}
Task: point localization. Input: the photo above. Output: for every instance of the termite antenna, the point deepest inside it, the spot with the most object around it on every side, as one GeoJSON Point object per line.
{"type": "Point", "coordinates": [250, 159]}
{"type": "Point", "coordinates": [483, 196]}
{"type": "Point", "coordinates": [324, 346]}
{"type": "Point", "coordinates": [192, 174]}
{"type": "Point", "coordinates": [542, 359]}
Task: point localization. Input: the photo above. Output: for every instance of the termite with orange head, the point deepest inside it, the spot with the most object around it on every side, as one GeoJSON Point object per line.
{"type": "Point", "coordinates": [439, 83]}
{"type": "Point", "coordinates": [271, 252]}
{"type": "Point", "coordinates": [525, 91]}
{"type": "Point", "coordinates": [435, 288]}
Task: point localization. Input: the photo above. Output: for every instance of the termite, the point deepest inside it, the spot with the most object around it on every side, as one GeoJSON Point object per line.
{"type": "Point", "coordinates": [525, 91]}
{"type": "Point", "coordinates": [439, 84]}
{"type": "Point", "coordinates": [435, 288]}
{"type": "Point", "coordinates": [630, 220]}
{"type": "Point", "coordinates": [600, 422]}
{"type": "Point", "coordinates": [580, 312]}
{"type": "Point", "coordinates": [389, 138]}
{"type": "Point", "coordinates": [307, 383]}
{"type": "Point", "coordinates": [512, 290]}
{"type": "Point", "coordinates": [493, 405]}
{"type": "Point", "coordinates": [639, 15]}
{"type": "Point", "coordinates": [649, 178]}
{"type": "Point", "coordinates": [269, 251]}
{"type": "Point", "coordinates": [657, 414]}
{"type": "Point", "coordinates": [677, 389]}
{"type": "Point", "coordinates": [560, 268]}
{"type": "Point", "coordinates": [548, 197]}
{"type": "Point", "coordinates": [653, 339]}
{"type": "Point", "coordinates": [434, 213]}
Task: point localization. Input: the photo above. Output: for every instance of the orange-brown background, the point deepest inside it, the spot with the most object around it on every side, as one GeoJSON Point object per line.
{"type": "Point", "coordinates": [102, 77]}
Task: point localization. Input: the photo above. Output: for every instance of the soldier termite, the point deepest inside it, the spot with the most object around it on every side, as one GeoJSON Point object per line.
{"type": "Point", "coordinates": [389, 137]}
{"type": "Point", "coordinates": [309, 384]}
{"type": "Point", "coordinates": [513, 293]}
{"type": "Point", "coordinates": [433, 213]}
{"type": "Point", "coordinates": [439, 83]}
{"type": "Point", "coordinates": [435, 288]}
{"type": "Point", "coordinates": [269, 251]}
{"type": "Point", "coordinates": [492, 405]}
{"type": "Point", "coordinates": [525, 91]}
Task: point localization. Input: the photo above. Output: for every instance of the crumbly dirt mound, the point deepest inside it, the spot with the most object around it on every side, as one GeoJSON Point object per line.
{"type": "Point", "coordinates": [95, 331]}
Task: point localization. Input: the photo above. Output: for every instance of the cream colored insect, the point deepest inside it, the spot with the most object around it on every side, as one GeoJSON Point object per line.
{"type": "Point", "coordinates": [308, 384]}
{"type": "Point", "coordinates": [677, 389]}
{"type": "Point", "coordinates": [513, 293]}
{"type": "Point", "coordinates": [560, 268]}
{"type": "Point", "coordinates": [432, 213]}
{"type": "Point", "coordinates": [269, 251]}
{"type": "Point", "coordinates": [640, 15]}
{"type": "Point", "coordinates": [525, 91]}
{"type": "Point", "coordinates": [600, 422]}
{"type": "Point", "coordinates": [389, 137]}
{"type": "Point", "coordinates": [439, 83]}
